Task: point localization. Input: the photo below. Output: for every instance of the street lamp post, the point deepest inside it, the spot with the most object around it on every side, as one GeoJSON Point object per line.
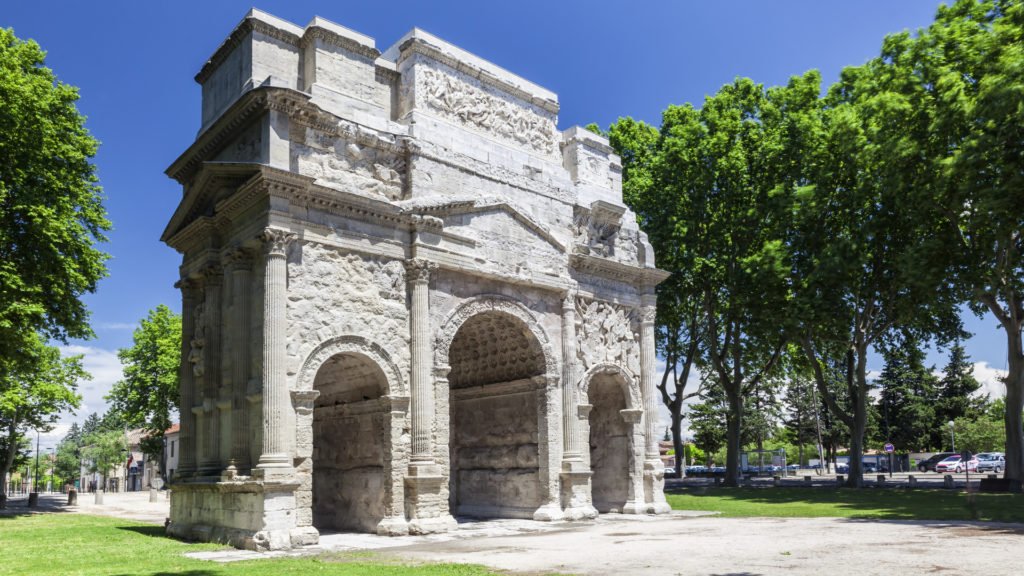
{"type": "Point", "coordinates": [952, 435]}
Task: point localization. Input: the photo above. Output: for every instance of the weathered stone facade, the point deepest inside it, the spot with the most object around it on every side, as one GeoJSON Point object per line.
{"type": "Point", "coordinates": [406, 296]}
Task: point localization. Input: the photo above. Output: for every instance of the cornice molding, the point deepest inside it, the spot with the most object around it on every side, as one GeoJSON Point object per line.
{"type": "Point", "coordinates": [614, 270]}
{"type": "Point", "coordinates": [237, 36]}
{"type": "Point", "coordinates": [335, 39]}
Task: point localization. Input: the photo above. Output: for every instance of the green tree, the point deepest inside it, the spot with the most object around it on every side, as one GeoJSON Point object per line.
{"type": "Point", "coordinates": [34, 392]}
{"type": "Point", "coordinates": [802, 415]}
{"type": "Point", "coordinates": [958, 393]}
{"type": "Point", "coordinates": [680, 323]}
{"type": "Point", "coordinates": [104, 451]}
{"type": "Point", "coordinates": [148, 395]}
{"type": "Point", "coordinates": [51, 211]}
{"type": "Point", "coordinates": [707, 421]}
{"type": "Point", "coordinates": [861, 275]}
{"type": "Point", "coordinates": [907, 400]}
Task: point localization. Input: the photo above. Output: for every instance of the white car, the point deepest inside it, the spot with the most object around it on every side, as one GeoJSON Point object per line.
{"type": "Point", "coordinates": [994, 461]}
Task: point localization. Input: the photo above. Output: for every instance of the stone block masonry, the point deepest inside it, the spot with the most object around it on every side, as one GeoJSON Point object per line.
{"type": "Point", "coordinates": [407, 296]}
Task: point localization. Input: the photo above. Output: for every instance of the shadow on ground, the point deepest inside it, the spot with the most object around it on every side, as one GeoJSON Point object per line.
{"type": "Point", "coordinates": [150, 531]}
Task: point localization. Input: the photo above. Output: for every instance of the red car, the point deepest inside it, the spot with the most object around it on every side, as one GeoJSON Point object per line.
{"type": "Point", "coordinates": [954, 464]}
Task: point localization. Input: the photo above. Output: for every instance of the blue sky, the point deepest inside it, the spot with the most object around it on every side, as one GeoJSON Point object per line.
{"type": "Point", "coordinates": [135, 61]}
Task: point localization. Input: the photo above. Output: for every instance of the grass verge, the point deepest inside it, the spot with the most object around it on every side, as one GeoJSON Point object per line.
{"type": "Point", "coordinates": [888, 504]}
{"type": "Point", "coordinates": [77, 544]}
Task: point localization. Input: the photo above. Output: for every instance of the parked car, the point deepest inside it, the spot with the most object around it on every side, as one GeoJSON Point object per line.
{"type": "Point", "coordinates": [955, 464]}
{"type": "Point", "coordinates": [991, 461]}
{"type": "Point", "coordinates": [669, 471]}
{"type": "Point", "coordinates": [929, 464]}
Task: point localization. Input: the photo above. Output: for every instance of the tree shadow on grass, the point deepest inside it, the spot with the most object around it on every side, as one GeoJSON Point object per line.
{"type": "Point", "coordinates": [176, 573]}
{"type": "Point", "coordinates": [150, 531]}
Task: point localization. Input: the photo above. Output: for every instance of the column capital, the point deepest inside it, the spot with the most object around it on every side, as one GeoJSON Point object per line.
{"type": "Point", "coordinates": [569, 301]}
{"type": "Point", "coordinates": [648, 314]}
{"type": "Point", "coordinates": [238, 259]}
{"type": "Point", "coordinates": [212, 275]}
{"type": "Point", "coordinates": [276, 241]}
{"type": "Point", "coordinates": [188, 285]}
{"type": "Point", "coordinates": [419, 270]}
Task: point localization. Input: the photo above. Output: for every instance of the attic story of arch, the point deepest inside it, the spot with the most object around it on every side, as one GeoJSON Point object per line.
{"type": "Point", "coordinates": [407, 297]}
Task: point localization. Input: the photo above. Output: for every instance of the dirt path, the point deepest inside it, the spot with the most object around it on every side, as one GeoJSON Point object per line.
{"type": "Point", "coordinates": [742, 546]}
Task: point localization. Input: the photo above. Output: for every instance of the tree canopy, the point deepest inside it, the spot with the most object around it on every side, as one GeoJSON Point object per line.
{"type": "Point", "coordinates": [147, 397]}
{"type": "Point", "coordinates": [51, 210]}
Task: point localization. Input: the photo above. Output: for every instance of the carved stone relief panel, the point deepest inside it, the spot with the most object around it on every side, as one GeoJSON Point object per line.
{"type": "Point", "coordinates": [606, 335]}
{"type": "Point", "coordinates": [333, 293]}
{"type": "Point", "coordinates": [470, 103]}
{"type": "Point", "coordinates": [342, 163]}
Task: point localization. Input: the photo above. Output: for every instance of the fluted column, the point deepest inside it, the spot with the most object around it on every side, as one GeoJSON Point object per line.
{"type": "Point", "coordinates": [654, 471]}
{"type": "Point", "coordinates": [212, 283]}
{"type": "Point", "coordinates": [187, 383]}
{"type": "Point", "coordinates": [276, 399]}
{"type": "Point", "coordinates": [570, 422]}
{"type": "Point", "coordinates": [240, 266]}
{"type": "Point", "coordinates": [418, 276]}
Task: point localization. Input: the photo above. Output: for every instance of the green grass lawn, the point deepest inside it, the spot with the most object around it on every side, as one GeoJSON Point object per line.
{"type": "Point", "coordinates": [888, 504]}
{"type": "Point", "coordinates": [74, 544]}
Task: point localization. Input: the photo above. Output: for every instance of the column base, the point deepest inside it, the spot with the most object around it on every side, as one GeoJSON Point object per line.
{"type": "Point", "coordinates": [428, 513]}
{"type": "Point", "coordinates": [304, 536]}
{"type": "Point", "coordinates": [576, 495]}
{"type": "Point", "coordinates": [634, 507]}
{"type": "Point", "coordinates": [393, 526]}
{"type": "Point", "coordinates": [654, 488]}
{"type": "Point", "coordinates": [550, 512]}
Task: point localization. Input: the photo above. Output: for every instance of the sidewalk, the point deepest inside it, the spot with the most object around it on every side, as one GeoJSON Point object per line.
{"type": "Point", "coordinates": [130, 505]}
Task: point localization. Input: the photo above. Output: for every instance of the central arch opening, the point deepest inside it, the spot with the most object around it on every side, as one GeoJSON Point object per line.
{"type": "Point", "coordinates": [609, 444]}
{"type": "Point", "coordinates": [348, 444]}
{"type": "Point", "coordinates": [494, 359]}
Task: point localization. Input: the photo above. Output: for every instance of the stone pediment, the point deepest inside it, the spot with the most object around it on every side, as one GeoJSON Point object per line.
{"type": "Point", "coordinates": [485, 217]}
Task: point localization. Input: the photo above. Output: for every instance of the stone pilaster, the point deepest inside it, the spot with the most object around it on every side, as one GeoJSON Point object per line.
{"type": "Point", "coordinates": [426, 508]}
{"type": "Point", "coordinates": [575, 476]}
{"type": "Point", "coordinates": [187, 383]}
{"type": "Point", "coordinates": [635, 503]}
{"type": "Point", "coordinates": [210, 463]}
{"type": "Point", "coordinates": [654, 470]}
{"type": "Point", "coordinates": [274, 458]}
{"type": "Point", "coordinates": [240, 267]}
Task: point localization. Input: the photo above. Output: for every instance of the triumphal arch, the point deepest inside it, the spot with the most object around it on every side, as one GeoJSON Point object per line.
{"type": "Point", "coordinates": [407, 296]}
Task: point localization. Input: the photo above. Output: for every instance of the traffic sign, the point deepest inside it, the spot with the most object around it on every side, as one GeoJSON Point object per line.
{"type": "Point", "coordinates": [889, 447]}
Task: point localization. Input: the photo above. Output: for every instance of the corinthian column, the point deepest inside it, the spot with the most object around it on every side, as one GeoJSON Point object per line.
{"type": "Point", "coordinates": [654, 472]}
{"type": "Point", "coordinates": [570, 421]}
{"type": "Point", "coordinates": [187, 436]}
{"type": "Point", "coordinates": [213, 282]}
{"type": "Point", "coordinates": [276, 399]}
{"type": "Point", "coordinates": [240, 266]}
{"type": "Point", "coordinates": [418, 275]}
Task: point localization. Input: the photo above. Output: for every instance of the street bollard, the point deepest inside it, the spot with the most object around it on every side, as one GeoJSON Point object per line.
{"type": "Point", "coordinates": [97, 497]}
{"type": "Point", "coordinates": [72, 498]}
{"type": "Point", "coordinates": [912, 480]}
{"type": "Point", "coordinates": [3, 501]}
{"type": "Point", "coordinates": [152, 495]}
{"type": "Point", "coordinates": [775, 480]}
{"type": "Point", "coordinates": [33, 499]}
{"type": "Point", "coordinates": [807, 479]}
{"type": "Point", "coordinates": [881, 478]}
{"type": "Point", "coordinates": [840, 479]}
{"type": "Point", "coordinates": [947, 481]}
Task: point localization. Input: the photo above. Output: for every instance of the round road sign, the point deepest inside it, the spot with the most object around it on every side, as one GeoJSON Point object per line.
{"type": "Point", "coordinates": [889, 447]}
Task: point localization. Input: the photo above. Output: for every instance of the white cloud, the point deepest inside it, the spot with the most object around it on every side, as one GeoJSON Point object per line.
{"type": "Point", "coordinates": [989, 378]}
{"type": "Point", "coordinates": [105, 368]}
{"type": "Point", "coordinates": [116, 326]}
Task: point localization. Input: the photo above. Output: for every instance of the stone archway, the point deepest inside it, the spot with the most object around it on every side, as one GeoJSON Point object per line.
{"type": "Point", "coordinates": [350, 446]}
{"type": "Point", "coordinates": [497, 393]}
{"type": "Point", "coordinates": [612, 425]}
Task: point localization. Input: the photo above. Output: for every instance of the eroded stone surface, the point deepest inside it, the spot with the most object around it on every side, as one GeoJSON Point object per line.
{"type": "Point", "coordinates": [438, 303]}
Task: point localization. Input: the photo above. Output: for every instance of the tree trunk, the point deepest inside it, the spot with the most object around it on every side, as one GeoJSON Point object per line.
{"type": "Point", "coordinates": [1014, 406]}
{"type": "Point", "coordinates": [858, 397]}
{"type": "Point", "coordinates": [734, 428]}
{"type": "Point", "coordinates": [677, 443]}
{"type": "Point", "coordinates": [8, 458]}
